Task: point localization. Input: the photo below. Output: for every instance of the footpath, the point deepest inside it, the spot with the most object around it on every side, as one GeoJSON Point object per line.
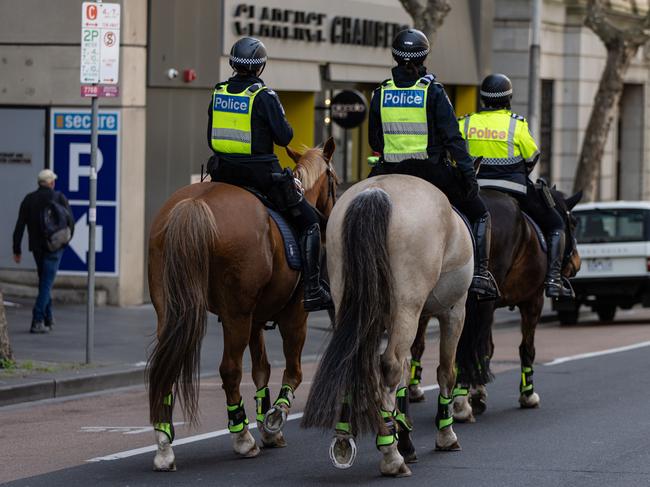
{"type": "Point", "coordinates": [53, 365]}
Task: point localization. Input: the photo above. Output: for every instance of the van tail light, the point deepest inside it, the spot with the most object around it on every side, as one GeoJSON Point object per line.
{"type": "Point", "coordinates": [647, 264]}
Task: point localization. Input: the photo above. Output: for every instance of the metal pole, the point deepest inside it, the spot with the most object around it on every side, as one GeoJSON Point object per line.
{"type": "Point", "coordinates": [534, 81]}
{"type": "Point", "coordinates": [92, 219]}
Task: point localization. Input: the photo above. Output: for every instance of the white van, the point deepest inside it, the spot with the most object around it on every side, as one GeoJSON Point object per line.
{"type": "Point", "coordinates": [614, 244]}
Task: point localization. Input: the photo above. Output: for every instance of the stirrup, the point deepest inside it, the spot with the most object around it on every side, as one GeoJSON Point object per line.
{"type": "Point", "coordinates": [321, 301]}
{"type": "Point", "coordinates": [485, 287]}
{"type": "Point", "coordinates": [559, 289]}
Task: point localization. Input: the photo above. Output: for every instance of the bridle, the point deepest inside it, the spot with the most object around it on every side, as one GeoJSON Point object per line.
{"type": "Point", "coordinates": [331, 194]}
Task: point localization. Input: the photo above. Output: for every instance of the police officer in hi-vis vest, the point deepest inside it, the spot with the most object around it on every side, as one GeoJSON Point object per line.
{"type": "Point", "coordinates": [245, 119]}
{"type": "Point", "coordinates": [509, 154]}
{"type": "Point", "coordinates": [413, 126]}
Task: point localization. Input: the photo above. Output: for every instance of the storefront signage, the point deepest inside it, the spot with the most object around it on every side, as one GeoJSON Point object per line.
{"type": "Point", "coordinates": [348, 109]}
{"type": "Point", "coordinates": [310, 26]}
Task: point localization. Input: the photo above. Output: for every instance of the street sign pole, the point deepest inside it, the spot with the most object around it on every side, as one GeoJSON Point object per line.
{"type": "Point", "coordinates": [92, 222]}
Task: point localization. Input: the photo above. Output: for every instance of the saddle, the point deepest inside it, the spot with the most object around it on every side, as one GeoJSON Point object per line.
{"type": "Point", "coordinates": [537, 229]}
{"type": "Point", "coordinates": [467, 224]}
{"type": "Point", "coordinates": [288, 232]}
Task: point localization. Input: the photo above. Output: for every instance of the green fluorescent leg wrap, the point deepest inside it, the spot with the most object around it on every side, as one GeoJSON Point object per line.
{"type": "Point", "coordinates": [403, 410]}
{"type": "Point", "coordinates": [262, 403]}
{"type": "Point", "coordinates": [285, 396]}
{"type": "Point", "coordinates": [460, 390]}
{"type": "Point", "coordinates": [444, 417]}
{"type": "Point", "coordinates": [166, 425]}
{"type": "Point", "coordinates": [391, 437]}
{"type": "Point", "coordinates": [526, 385]}
{"type": "Point", "coordinates": [343, 424]}
{"type": "Point", "coordinates": [237, 419]}
{"type": "Point", "coordinates": [416, 372]}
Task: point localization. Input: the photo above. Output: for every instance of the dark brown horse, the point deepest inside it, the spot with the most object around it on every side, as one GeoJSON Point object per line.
{"type": "Point", "coordinates": [518, 264]}
{"type": "Point", "coordinates": [213, 247]}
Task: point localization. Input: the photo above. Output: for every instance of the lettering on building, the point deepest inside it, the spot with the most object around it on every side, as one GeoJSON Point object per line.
{"type": "Point", "coordinates": [15, 158]}
{"type": "Point", "coordinates": [303, 25]}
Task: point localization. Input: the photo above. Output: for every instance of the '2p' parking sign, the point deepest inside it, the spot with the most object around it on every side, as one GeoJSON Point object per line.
{"type": "Point", "coordinates": [70, 160]}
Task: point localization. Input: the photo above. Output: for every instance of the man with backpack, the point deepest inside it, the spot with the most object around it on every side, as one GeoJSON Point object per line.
{"type": "Point", "coordinates": [49, 226]}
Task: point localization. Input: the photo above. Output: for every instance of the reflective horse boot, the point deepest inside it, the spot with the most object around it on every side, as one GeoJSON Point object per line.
{"type": "Point", "coordinates": [404, 444]}
{"type": "Point", "coordinates": [316, 297]}
{"type": "Point", "coordinates": [392, 463]}
{"type": "Point", "coordinates": [483, 282]}
{"type": "Point", "coordinates": [555, 285]}
{"type": "Point", "coordinates": [276, 417]}
{"type": "Point", "coordinates": [164, 461]}
{"type": "Point", "coordinates": [416, 394]}
{"type": "Point", "coordinates": [263, 404]}
{"type": "Point", "coordinates": [343, 449]}
{"type": "Point", "coordinates": [528, 398]}
{"type": "Point", "coordinates": [446, 439]}
{"type": "Point", "coordinates": [242, 441]}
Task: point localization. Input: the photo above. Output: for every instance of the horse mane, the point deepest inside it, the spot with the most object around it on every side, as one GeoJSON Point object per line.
{"type": "Point", "coordinates": [311, 166]}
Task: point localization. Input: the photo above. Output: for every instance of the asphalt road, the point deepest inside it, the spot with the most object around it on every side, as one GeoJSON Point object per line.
{"type": "Point", "coordinates": [592, 429]}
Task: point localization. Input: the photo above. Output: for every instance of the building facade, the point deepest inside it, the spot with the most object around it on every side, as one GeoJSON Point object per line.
{"type": "Point", "coordinates": [572, 60]}
{"type": "Point", "coordinates": [153, 137]}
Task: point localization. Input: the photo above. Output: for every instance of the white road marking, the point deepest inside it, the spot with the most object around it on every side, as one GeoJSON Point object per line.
{"type": "Point", "coordinates": [609, 351]}
{"type": "Point", "coordinates": [126, 430]}
{"type": "Point", "coordinates": [291, 417]}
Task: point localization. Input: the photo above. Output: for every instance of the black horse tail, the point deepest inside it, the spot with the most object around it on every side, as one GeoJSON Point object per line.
{"type": "Point", "coordinates": [174, 363]}
{"type": "Point", "coordinates": [350, 369]}
{"type": "Point", "coordinates": [475, 345]}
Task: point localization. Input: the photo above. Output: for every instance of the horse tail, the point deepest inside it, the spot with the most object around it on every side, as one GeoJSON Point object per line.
{"type": "Point", "coordinates": [350, 369]}
{"type": "Point", "coordinates": [475, 345]}
{"type": "Point", "coordinates": [174, 363]}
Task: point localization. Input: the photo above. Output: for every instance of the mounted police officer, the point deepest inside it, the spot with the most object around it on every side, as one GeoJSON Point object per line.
{"type": "Point", "coordinates": [509, 154]}
{"type": "Point", "coordinates": [413, 126]}
{"type": "Point", "coordinates": [245, 119]}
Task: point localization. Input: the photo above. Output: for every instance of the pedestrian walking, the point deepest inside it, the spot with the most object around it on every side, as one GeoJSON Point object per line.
{"type": "Point", "coordinates": [50, 225]}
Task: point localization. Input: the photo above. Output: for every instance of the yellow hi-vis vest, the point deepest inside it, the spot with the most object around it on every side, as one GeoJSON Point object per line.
{"type": "Point", "coordinates": [504, 141]}
{"type": "Point", "coordinates": [404, 120]}
{"type": "Point", "coordinates": [231, 119]}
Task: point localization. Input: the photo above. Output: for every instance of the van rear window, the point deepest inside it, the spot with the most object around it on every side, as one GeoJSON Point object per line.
{"type": "Point", "coordinates": [611, 225]}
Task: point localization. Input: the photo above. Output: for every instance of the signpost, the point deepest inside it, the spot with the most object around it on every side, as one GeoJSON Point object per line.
{"type": "Point", "coordinates": [100, 62]}
{"type": "Point", "coordinates": [348, 109]}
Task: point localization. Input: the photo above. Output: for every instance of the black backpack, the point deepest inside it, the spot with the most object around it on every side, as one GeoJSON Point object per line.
{"type": "Point", "coordinates": [54, 223]}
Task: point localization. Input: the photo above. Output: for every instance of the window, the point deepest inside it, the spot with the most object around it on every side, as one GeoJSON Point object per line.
{"type": "Point", "coordinates": [602, 226]}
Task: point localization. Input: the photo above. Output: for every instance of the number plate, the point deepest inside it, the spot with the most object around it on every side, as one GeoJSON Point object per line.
{"type": "Point", "coordinates": [599, 265]}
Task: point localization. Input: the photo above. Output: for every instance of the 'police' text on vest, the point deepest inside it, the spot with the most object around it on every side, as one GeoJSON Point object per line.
{"type": "Point", "coordinates": [234, 104]}
{"type": "Point", "coordinates": [403, 98]}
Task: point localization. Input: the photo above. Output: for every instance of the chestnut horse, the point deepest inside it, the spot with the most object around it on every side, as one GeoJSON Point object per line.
{"type": "Point", "coordinates": [518, 264]}
{"type": "Point", "coordinates": [213, 247]}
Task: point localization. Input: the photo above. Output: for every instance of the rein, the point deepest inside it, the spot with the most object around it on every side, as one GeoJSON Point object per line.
{"type": "Point", "coordinates": [331, 195]}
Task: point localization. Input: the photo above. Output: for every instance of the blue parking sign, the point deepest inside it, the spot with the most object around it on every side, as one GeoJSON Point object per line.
{"type": "Point", "coordinates": [70, 160]}
{"type": "Point", "coordinates": [75, 257]}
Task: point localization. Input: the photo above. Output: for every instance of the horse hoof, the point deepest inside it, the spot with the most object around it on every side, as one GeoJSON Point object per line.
{"type": "Point", "coordinates": [402, 471]}
{"type": "Point", "coordinates": [244, 444]}
{"type": "Point", "coordinates": [343, 451]}
{"type": "Point", "coordinates": [274, 420]}
{"type": "Point", "coordinates": [164, 461]}
{"type": "Point", "coordinates": [416, 394]}
{"type": "Point", "coordinates": [455, 446]}
{"type": "Point", "coordinates": [479, 405]}
{"type": "Point", "coordinates": [271, 441]}
{"type": "Point", "coordinates": [463, 411]}
{"type": "Point", "coordinates": [529, 402]}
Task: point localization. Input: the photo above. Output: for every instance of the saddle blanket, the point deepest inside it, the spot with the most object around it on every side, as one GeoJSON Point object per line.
{"type": "Point", "coordinates": [538, 231]}
{"type": "Point", "coordinates": [467, 224]}
{"type": "Point", "coordinates": [291, 247]}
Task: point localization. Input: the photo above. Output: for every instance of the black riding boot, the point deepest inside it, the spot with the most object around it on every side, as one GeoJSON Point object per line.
{"type": "Point", "coordinates": [316, 296]}
{"type": "Point", "coordinates": [555, 286]}
{"type": "Point", "coordinates": [483, 283]}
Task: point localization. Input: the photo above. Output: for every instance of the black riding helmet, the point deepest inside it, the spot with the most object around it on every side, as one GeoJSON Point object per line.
{"type": "Point", "coordinates": [248, 55]}
{"type": "Point", "coordinates": [496, 91]}
{"type": "Point", "coordinates": [410, 46]}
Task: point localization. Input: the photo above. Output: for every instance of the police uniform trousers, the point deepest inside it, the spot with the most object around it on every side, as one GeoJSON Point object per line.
{"type": "Point", "coordinates": [443, 176]}
{"type": "Point", "coordinates": [259, 175]}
